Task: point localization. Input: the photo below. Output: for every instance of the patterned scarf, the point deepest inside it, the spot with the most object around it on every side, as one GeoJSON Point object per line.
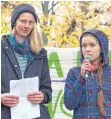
{"type": "Point", "coordinates": [21, 48]}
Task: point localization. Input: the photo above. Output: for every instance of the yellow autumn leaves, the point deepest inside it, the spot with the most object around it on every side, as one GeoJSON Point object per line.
{"type": "Point", "coordinates": [64, 26]}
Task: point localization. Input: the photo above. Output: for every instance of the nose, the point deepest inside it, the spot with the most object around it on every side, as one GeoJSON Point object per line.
{"type": "Point", "coordinates": [88, 49]}
{"type": "Point", "coordinates": [27, 25]}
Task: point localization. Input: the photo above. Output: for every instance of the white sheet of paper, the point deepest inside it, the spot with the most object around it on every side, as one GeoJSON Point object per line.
{"type": "Point", "coordinates": [24, 109]}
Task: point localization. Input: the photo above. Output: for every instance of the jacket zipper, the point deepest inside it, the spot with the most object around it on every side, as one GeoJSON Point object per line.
{"type": "Point", "coordinates": [22, 76]}
{"type": "Point", "coordinates": [25, 69]}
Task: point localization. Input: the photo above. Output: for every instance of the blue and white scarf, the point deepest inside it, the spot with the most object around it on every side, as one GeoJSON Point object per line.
{"type": "Point", "coordinates": [21, 48]}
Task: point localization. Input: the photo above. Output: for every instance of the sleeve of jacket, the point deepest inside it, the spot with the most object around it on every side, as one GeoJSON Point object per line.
{"type": "Point", "coordinates": [45, 86]}
{"type": "Point", "coordinates": [3, 72]}
{"type": "Point", "coordinates": [73, 89]}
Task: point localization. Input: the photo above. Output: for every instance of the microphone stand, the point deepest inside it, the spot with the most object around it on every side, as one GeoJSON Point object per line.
{"type": "Point", "coordinates": [87, 58]}
{"type": "Point", "coordinates": [87, 94]}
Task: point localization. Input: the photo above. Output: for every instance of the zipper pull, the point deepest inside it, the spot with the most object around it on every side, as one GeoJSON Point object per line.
{"type": "Point", "coordinates": [92, 74]}
{"type": "Point", "coordinates": [22, 76]}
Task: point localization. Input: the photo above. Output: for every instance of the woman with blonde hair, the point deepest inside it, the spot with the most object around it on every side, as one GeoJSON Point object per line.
{"type": "Point", "coordinates": [23, 56]}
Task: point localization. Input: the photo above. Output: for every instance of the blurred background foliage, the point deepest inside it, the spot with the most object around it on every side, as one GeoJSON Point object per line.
{"type": "Point", "coordinates": [62, 22]}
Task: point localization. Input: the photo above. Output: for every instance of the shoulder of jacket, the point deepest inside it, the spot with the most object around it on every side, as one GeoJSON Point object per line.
{"type": "Point", "coordinates": [4, 38]}
{"type": "Point", "coordinates": [4, 41]}
{"type": "Point", "coordinates": [42, 52]}
{"type": "Point", "coordinates": [75, 69]}
{"type": "Point", "coordinates": [109, 67]}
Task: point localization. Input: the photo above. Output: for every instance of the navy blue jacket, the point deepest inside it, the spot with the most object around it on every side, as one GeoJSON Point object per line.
{"type": "Point", "coordinates": [10, 70]}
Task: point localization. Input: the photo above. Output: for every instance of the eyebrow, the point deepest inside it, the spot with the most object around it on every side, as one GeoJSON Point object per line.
{"type": "Point", "coordinates": [88, 43]}
{"type": "Point", "coordinates": [25, 19]}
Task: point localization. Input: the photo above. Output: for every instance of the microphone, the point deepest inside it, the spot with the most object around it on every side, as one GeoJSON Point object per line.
{"type": "Point", "coordinates": [87, 58]}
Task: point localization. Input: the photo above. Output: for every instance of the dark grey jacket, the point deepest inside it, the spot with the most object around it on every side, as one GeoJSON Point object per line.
{"type": "Point", "coordinates": [10, 70]}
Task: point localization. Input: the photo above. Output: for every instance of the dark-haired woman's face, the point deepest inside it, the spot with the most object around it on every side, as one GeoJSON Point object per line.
{"type": "Point", "coordinates": [90, 46]}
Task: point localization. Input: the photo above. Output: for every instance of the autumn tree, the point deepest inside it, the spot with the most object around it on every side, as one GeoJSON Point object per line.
{"type": "Point", "coordinates": [62, 22]}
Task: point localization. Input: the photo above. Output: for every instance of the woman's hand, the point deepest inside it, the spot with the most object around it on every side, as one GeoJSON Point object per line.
{"type": "Point", "coordinates": [9, 100]}
{"type": "Point", "coordinates": [86, 66]}
{"type": "Point", "coordinates": [36, 97]}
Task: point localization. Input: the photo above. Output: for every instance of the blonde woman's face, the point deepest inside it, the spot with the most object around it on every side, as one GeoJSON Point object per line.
{"type": "Point", "coordinates": [24, 24]}
{"type": "Point", "coordinates": [90, 46]}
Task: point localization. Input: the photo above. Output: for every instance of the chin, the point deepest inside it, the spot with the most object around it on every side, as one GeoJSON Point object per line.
{"type": "Point", "coordinates": [95, 60]}
{"type": "Point", "coordinates": [24, 35]}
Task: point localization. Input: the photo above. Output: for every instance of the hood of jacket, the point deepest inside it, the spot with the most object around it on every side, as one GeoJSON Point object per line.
{"type": "Point", "coordinates": [103, 40]}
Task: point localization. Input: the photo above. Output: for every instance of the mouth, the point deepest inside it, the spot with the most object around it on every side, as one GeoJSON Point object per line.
{"type": "Point", "coordinates": [89, 55]}
{"type": "Point", "coordinates": [25, 31]}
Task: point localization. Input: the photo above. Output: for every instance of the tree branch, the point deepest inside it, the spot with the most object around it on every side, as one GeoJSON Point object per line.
{"type": "Point", "coordinates": [53, 6]}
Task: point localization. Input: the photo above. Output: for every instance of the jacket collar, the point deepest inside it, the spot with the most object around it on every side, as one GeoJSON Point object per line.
{"type": "Point", "coordinates": [10, 53]}
{"type": "Point", "coordinates": [41, 54]}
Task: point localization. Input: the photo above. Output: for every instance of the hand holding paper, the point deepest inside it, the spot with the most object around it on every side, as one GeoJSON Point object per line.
{"type": "Point", "coordinates": [25, 109]}
{"type": "Point", "coordinates": [9, 100]}
{"type": "Point", "coordinates": [36, 97]}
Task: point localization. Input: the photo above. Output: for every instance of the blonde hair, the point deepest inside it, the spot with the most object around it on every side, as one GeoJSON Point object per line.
{"type": "Point", "coordinates": [35, 40]}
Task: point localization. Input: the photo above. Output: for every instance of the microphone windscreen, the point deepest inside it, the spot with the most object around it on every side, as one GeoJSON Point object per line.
{"type": "Point", "coordinates": [87, 57]}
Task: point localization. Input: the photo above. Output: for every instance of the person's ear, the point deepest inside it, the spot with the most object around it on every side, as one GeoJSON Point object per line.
{"type": "Point", "coordinates": [14, 30]}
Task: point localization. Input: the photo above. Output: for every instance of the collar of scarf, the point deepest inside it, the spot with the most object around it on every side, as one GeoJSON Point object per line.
{"type": "Point", "coordinates": [94, 67]}
{"type": "Point", "coordinates": [21, 48]}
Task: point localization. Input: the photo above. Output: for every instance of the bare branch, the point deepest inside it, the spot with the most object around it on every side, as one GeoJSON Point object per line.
{"type": "Point", "coordinates": [53, 6]}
